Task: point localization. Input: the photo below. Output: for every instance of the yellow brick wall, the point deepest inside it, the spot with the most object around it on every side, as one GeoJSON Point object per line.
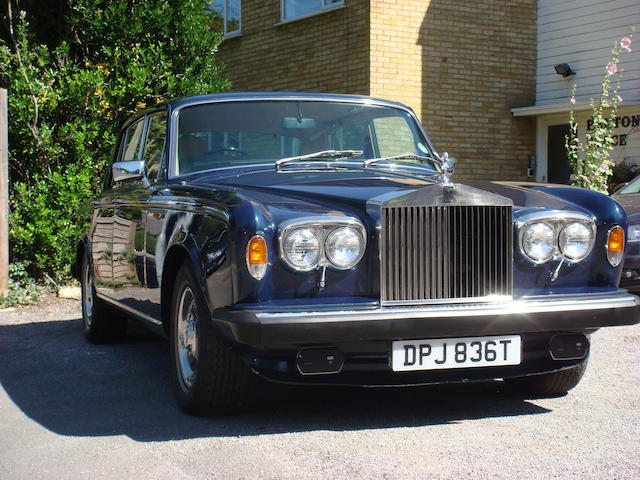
{"type": "Point", "coordinates": [328, 52]}
{"type": "Point", "coordinates": [461, 65]}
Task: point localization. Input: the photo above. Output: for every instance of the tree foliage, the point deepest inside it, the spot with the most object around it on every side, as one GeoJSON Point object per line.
{"type": "Point", "coordinates": [71, 89]}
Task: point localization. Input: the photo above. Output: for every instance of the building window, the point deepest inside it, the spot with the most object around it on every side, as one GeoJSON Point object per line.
{"type": "Point", "coordinates": [229, 14]}
{"type": "Point", "coordinates": [303, 8]}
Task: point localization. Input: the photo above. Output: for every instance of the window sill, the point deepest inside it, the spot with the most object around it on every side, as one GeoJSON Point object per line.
{"type": "Point", "coordinates": [232, 35]}
{"type": "Point", "coordinates": [314, 14]}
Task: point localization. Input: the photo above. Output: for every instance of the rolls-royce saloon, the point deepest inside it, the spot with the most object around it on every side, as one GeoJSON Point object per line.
{"type": "Point", "coordinates": [320, 239]}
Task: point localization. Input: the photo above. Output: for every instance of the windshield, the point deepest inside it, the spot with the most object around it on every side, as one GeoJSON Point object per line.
{"type": "Point", "coordinates": [631, 187]}
{"type": "Point", "coordinates": [229, 134]}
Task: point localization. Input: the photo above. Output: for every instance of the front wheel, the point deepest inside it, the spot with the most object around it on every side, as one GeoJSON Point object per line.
{"type": "Point", "coordinates": [101, 323]}
{"type": "Point", "coordinates": [210, 378]}
{"type": "Point", "coordinates": [552, 384]}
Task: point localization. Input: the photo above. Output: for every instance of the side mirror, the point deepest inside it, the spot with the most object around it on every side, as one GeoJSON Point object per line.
{"type": "Point", "coordinates": [133, 170]}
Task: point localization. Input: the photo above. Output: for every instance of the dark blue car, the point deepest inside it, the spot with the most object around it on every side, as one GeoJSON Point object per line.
{"type": "Point", "coordinates": [629, 197]}
{"type": "Point", "coordinates": [319, 239]}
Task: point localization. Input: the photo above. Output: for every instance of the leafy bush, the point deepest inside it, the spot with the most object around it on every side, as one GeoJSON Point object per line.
{"type": "Point", "coordinates": [22, 288]}
{"type": "Point", "coordinates": [70, 92]}
{"type": "Point", "coordinates": [49, 216]}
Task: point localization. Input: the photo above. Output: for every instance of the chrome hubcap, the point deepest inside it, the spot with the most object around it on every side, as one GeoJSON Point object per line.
{"type": "Point", "coordinates": [87, 296]}
{"type": "Point", "coordinates": [187, 338]}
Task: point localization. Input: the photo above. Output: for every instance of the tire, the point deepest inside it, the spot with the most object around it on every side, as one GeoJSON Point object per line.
{"type": "Point", "coordinates": [552, 384]}
{"type": "Point", "coordinates": [101, 322]}
{"type": "Point", "coordinates": [214, 380]}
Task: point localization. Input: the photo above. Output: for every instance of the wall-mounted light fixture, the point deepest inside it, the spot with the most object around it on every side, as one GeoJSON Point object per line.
{"type": "Point", "coordinates": [564, 69]}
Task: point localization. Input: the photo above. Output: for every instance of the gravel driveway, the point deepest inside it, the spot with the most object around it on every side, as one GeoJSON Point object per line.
{"type": "Point", "coordinates": [71, 410]}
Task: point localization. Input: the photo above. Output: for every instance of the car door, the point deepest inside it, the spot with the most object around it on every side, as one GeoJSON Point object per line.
{"type": "Point", "coordinates": [128, 200]}
{"type": "Point", "coordinates": [154, 159]}
{"type": "Point", "coordinates": [101, 231]}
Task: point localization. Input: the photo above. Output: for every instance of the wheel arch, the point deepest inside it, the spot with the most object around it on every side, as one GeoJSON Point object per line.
{"type": "Point", "coordinates": [81, 248]}
{"type": "Point", "coordinates": [174, 258]}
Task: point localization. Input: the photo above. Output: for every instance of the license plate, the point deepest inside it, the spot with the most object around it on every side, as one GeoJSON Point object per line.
{"type": "Point", "coordinates": [469, 352]}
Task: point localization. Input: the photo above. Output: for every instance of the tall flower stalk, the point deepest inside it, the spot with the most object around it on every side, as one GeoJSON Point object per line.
{"type": "Point", "coordinates": [590, 159]}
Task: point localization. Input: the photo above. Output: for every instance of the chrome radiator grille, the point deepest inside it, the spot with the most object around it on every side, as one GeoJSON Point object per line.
{"type": "Point", "coordinates": [445, 253]}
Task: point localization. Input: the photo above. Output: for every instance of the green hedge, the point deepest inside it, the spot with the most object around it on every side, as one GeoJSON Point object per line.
{"type": "Point", "coordinates": [70, 92]}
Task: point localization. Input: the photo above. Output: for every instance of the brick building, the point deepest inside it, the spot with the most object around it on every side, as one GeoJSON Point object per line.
{"type": "Point", "coordinates": [462, 66]}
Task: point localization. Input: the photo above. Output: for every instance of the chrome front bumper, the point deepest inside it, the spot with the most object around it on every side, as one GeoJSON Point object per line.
{"type": "Point", "coordinates": [317, 325]}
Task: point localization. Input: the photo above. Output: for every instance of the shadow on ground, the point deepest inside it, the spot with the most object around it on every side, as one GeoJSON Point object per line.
{"type": "Point", "coordinates": [74, 388]}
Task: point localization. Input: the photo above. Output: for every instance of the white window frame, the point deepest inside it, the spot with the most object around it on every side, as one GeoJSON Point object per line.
{"type": "Point", "coordinates": [322, 7]}
{"type": "Point", "coordinates": [224, 18]}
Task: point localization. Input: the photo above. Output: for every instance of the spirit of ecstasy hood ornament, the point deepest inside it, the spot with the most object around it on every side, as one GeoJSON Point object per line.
{"type": "Point", "coordinates": [447, 166]}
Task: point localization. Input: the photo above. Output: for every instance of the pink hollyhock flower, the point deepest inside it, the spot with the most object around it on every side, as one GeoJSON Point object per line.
{"type": "Point", "coordinates": [573, 101]}
{"type": "Point", "coordinates": [573, 177]}
{"type": "Point", "coordinates": [612, 68]}
{"type": "Point", "coordinates": [604, 167]}
{"type": "Point", "coordinates": [626, 43]}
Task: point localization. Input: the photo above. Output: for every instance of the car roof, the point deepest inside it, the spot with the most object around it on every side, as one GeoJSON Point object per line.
{"type": "Point", "coordinates": [308, 96]}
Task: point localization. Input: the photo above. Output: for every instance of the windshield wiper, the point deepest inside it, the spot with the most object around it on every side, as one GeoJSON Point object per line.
{"type": "Point", "coordinates": [323, 155]}
{"type": "Point", "coordinates": [406, 156]}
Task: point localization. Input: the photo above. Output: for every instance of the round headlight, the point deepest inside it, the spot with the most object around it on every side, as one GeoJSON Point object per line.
{"type": "Point", "coordinates": [538, 241]}
{"type": "Point", "coordinates": [576, 240]}
{"type": "Point", "coordinates": [301, 248]}
{"type": "Point", "coordinates": [343, 247]}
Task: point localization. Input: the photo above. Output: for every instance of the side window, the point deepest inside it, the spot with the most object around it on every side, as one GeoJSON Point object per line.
{"type": "Point", "coordinates": [133, 142]}
{"type": "Point", "coordinates": [154, 146]}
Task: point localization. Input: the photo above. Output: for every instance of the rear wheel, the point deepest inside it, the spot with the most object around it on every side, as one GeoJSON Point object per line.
{"type": "Point", "coordinates": [101, 323]}
{"type": "Point", "coordinates": [551, 384]}
{"type": "Point", "coordinates": [210, 378]}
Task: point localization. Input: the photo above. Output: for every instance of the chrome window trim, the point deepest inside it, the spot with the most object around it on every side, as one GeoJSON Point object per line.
{"type": "Point", "coordinates": [324, 224]}
{"type": "Point", "coordinates": [557, 219]}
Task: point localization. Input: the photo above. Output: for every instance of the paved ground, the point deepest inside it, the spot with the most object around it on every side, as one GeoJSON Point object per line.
{"type": "Point", "coordinates": [71, 410]}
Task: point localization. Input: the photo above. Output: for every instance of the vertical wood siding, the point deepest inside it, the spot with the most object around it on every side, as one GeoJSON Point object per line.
{"type": "Point", "coordinates": [582, 34]}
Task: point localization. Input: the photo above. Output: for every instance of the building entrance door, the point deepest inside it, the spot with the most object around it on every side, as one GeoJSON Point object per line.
{"type": "Point", "coordinates": [557, 163]}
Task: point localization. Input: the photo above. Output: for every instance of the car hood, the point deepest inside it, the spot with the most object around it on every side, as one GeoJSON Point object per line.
{"type": "Point", "coordinates": [359, 187]}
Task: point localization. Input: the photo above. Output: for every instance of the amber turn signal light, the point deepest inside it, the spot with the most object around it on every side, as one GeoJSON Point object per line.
{"type": "Point", "coordinates": [257, 257]}
{"type": "Point", "coordinates": [615, 245]}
